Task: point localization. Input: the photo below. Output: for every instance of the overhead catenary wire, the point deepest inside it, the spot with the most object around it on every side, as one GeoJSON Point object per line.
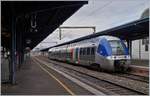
{"type": "Point", "coordinates": [121, 20]}
{"type": "Point", "coordinates": [100, 10]}
{"type": "Point", "coordinates": [95, 11]}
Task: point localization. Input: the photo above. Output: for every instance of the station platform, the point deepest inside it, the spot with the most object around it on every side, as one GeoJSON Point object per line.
{"type": "Point", "coordinates": [31, 79]}
{"type": "Point", "coordinates": [139, 62]}
{"type": "Point", "coordinates": [4, 69]}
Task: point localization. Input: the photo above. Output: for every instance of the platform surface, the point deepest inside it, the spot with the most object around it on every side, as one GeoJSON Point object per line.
{"type": "Point", "coordinates": [139, 62]}
{"type": "Point", "coordinates": [32, 80]}
{"type": "Point", "coordinates": [4, 69]}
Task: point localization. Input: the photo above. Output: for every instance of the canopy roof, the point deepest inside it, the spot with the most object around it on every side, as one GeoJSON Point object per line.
{"type": "Point", "coordinates": [131, 31]}
{"type": "Point", "coordinates": [34, 20]}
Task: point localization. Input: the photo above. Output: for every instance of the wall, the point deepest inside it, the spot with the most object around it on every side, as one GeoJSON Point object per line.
{"type": "Point", "coordinates": [138, 51]}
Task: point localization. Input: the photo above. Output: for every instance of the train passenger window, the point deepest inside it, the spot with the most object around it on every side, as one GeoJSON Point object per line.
{"type": "Point", "coordinates": [92, 50]}
{"type": "Point", "coordinates": [69, 55]}
{"type": "Point", "coordinates": [84, 51]}
{"type": "Point", "coordinates": [88, 51]}
{"type": "Point", "coordinates": [146, 47]}
{"type": "Point", "coordinates": [81, 51]}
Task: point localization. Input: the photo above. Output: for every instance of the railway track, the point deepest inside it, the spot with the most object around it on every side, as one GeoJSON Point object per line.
{"type": "Point", "coordinates": [110, 87]}
{"type": "Point", "coordinates": [127, 75]}
{"type": "Point", "coordinates": [133, 77]}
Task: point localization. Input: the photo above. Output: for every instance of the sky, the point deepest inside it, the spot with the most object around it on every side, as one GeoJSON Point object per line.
{"type": "Point", "coordinates": [103, 14]}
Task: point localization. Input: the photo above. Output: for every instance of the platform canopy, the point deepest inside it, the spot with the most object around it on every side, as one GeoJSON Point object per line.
{"type": "Point", "coordinates": [32, 21]}
{"type": "Point", "coordinates": [134, 30]}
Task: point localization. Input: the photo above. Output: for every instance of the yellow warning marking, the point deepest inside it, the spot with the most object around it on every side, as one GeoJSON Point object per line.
{"type": "Point", "coordinates": [63, 85]}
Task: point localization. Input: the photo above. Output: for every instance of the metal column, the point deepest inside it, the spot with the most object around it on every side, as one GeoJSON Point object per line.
{"type": "Point", "coordinates": [129, 43]}
{"type": "Point", "coordinates": [13, 50]}
{"type": "Point", "coordinates": [59, 33]}
{"type": "Point", "coordinates": [94, 30]}
{"type": "Point", "coordinates": [139, 49]}
{"type": "Point", "coordinates": [19, 50]}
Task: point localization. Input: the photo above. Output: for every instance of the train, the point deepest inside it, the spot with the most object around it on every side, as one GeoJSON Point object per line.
{"type": "Point", "coordinates": [107, 53]}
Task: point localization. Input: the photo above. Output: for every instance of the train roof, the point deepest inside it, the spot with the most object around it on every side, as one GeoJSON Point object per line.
{"type": "Point", "coordinates": [48, 15]}
{"type": "Point", "coordinates": [85, 43]}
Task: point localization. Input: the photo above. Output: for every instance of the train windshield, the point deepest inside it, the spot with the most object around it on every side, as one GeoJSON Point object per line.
{"type": "Point", "coordinates": [117, 47]}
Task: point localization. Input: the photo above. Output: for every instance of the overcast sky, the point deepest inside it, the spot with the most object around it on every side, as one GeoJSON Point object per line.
{"type": "Point", "coordinates": [104, 14]}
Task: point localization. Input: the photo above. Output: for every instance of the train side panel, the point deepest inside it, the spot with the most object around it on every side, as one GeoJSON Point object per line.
{"type": "Point", "coordinates": [110, 53]}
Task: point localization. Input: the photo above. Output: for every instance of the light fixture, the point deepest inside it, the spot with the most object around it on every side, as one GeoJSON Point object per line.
{"type": "Point", "coordinates": [33, 23]}
{"type": "Point", "coordinates": [28, 41]}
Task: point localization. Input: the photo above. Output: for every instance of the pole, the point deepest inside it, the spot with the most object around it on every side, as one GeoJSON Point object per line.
{"type": "Point", "coordinates": [13, 50]}
{"type": "Point", "coordinates": [139, 49]}
{"type": "Point", "coordinates": [59, 33]}
{"type": "Point", "coordinates": [129, 45]}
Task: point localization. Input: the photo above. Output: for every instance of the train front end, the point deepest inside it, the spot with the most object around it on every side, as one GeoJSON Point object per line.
{"type": "Point", "coordinates": [114, 53]}
{"type": "Point", "coordinates": [119, 55]}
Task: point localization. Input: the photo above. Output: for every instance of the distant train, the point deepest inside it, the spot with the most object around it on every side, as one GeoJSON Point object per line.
{"type": "Point", "coordinates": [106, 52]}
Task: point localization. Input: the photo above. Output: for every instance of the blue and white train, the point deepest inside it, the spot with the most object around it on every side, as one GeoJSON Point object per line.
{"type": "Point", "coordinates": [106, 52]}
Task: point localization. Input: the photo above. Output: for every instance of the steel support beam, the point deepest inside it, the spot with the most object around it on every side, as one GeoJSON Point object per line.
{"type": "Point", "coordinates": [20, 48]}
{"type": "Point", "coordinates": [139, 49]}
{"type": "Point", "coordinates": [59, 33]}
{"type": "Point", "coordinates": [129, 45]}
{"type": "Point", "coordinates": [13, 50]}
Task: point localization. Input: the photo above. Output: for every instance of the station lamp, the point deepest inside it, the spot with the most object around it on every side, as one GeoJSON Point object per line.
{"type": "Point", "coordinates": [28, 41]}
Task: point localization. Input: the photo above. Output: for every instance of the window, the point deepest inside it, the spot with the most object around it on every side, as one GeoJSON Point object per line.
{"type": "Point", "coordinates": [81, 51]}
{"type": "Point", "coordinates": [88, 51]}
{"type": "Point", "coordinates": [92, 50]}
{"type": "Point", "coordinates": [117, 47]}
{"type": "Point", "coordinates": [84, 51]}
{"type": "Point", "coordinates": [145, 41]}
{"type": "Point", "coordinates": [146, 47]}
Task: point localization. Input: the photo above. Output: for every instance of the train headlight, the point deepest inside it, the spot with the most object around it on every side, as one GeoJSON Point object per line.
{"type": "Point", "coordinates": [128, 57]}
{"type": "Point", "coordinates": [109, 57]}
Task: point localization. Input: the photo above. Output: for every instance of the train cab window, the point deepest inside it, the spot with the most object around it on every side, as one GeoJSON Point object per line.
{"type": "Point", "coordinates": [117, 47]}
{"type": "Point", "coordinates": [88, 51]}
{"type": "Point", "coordinates": [92, 50]}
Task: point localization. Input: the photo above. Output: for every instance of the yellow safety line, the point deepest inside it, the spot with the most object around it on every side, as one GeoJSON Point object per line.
{"type": "Point", "coordinates": [63, 85]}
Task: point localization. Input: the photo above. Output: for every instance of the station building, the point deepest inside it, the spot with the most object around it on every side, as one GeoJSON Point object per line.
{"type": "Point", "coordinates": [140, 48]}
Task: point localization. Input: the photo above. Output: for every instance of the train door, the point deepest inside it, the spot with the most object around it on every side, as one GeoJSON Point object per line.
{"type": "Point", "coordinates": [76, 55]}
{"type": "Point", "coordinates": [67, 55]}
{"type": "Point", "coordinates": [72, 55]}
